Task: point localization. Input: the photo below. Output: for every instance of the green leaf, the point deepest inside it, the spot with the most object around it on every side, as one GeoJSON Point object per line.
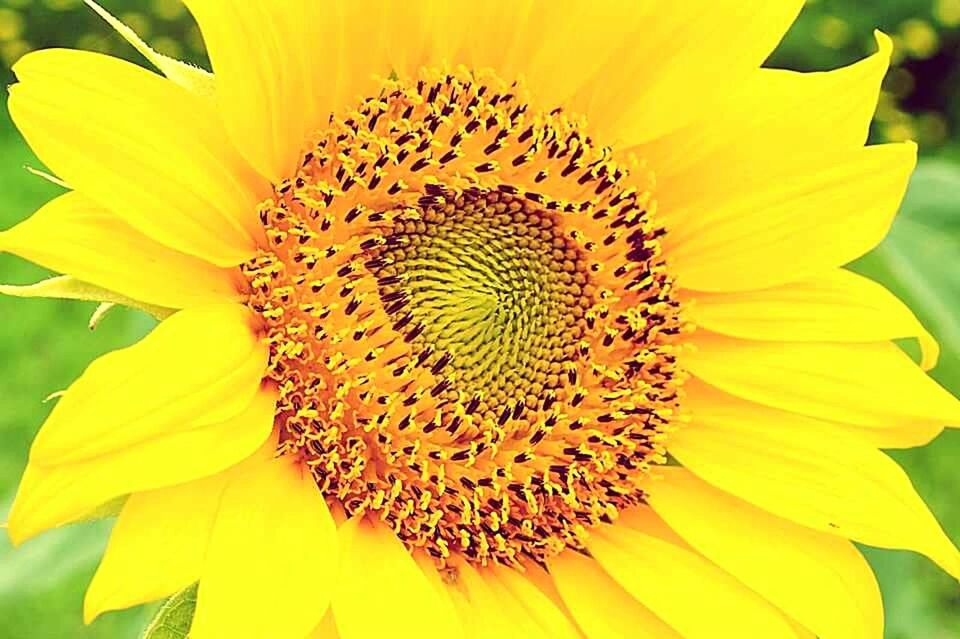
{"type": "Point", "coordinates": [174, 618]}
{"type": "Point", "coordinates": [42, 585]}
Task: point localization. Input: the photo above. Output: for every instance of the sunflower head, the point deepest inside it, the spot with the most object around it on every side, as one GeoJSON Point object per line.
{"type": "Point", "coordinates": [470, 320]}
{"type": "Point", "coordinates": [549, 322]}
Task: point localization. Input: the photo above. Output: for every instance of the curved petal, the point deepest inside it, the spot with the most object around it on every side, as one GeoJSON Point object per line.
{"type": "Point", "coordinates": [327, 628]}
{"type": "Point", "coordinates": [820, 580]}
{"type": "Point", "coordinates": [819, 213]}
{"type": "Point", "coordinates": [150, 151]}
{"type": "Point", "coordinates": [276, 67]}
{"type": "Point", "coordinates": [555, 50]}
{"type": "Point", "coordinates": [526, 606]}
{"type": "Point", "coordinates": [837, 306]}
{"type": "Point", "coordinates": [157, 546]}
{"type": "Point", "coordinates": [199, 367]}
{"type": "Point", "coordinates": [50, 496]}
{"type": "Point", "coordinates": [680, 58]}
{"type": "Point", "coordinates": [870, 384]}
{"type": "Point", "coordinates": [73, 235]}
{"type": "Point", "coordinates": [374, 566]}
{"type": "Point", "coordinates": [273, 549]}
{"type": "Point", "coordinates": [601, 607]}
{"type": "Point", "coordinates": [773, 111]}
{"type": "Point", "coordinates": [661, 575]}
{"type": "Point", "coordinates": [480, 609]}
{"type": "Point", "coordinates": [703, 399]}
{"type": "Point", "coordinates": [327, 56]}
{"type": "Point", "coordinates": [817, 477]}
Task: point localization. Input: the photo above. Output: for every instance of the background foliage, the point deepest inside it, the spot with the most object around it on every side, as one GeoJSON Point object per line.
{"type": "Point", "coordinates": [46, 344]}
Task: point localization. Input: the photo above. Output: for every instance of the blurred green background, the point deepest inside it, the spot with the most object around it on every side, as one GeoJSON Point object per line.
{"type": "Point", "coordinates": [45, 344]}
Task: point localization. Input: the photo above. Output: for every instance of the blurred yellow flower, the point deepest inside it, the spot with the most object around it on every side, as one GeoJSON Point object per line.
{"type": "Point", "coordinates": [168, 9]}
{"type": "Point", "coordinates": [919, 38]}
{"type": "Point", "coordinates": [947, 12]}
{"type": "Point", "coordinates": [11, 24]}
{"type": "Point", "coordinates": [546, 335]}
{"type": "Point", "coordinates": [832, 32]}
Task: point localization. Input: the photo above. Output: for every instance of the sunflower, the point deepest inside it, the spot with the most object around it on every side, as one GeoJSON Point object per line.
{"type": "Point", "coordinates": [481, 320]}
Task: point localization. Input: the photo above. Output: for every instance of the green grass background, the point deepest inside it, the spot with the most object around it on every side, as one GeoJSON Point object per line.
{"type": "Point", "coordinates": [44, 344]}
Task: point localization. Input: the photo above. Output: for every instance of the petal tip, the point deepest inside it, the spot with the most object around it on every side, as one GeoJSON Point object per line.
{"type": "Point", "coordinates": [90, 611]}
{"type": "Point", "coordinates": [884, 44]}
{"type": "Point", "coordinates": [17, 531]}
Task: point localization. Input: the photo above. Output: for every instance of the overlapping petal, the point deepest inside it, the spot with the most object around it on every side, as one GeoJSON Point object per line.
{"type": "Point", "coordinates": [821, 211]}
{"type": "Point", "coordinates": [375, 567]}
{"type": "Point", "coordinates": [157, 547]}
{"type": "Point", "coordinates": [602, 608]}
{"type": "Point", "coordinates": [679, 59]}
{"type": "Point", "coordinates": [277, 67]}
{"type": "Point", "coordinates": [479, 606]}
{"type": "Point", "coordinates": [661, 574]}
{"type": "Point", "coordinates": [837, 306]}
{"type": "Point", "coordinates": [52, 495]}
{"type": "Point", "coordinates": [526, 608]}
{"type": "Point", "coordinates": [73, 235]}
{"type": "Point", "coordinates": [150, 151]}
{"type": "Point", "coordinates": [200, 367]}
{"type": "Point", "coordinates": [816, 476]}
{"type": "Point", "coordinates": [872, 384]}
{"type": "Point", "coordinates": [818, 579]}
{"type": "Point", "coordinates": [766, 122]}
{"type": "Point", "coordinates": [272, 553]}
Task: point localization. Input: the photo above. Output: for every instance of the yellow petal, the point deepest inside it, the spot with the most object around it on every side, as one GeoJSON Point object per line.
{"type": "Point", "coordinates": [837, 306]}
{"type": "Point", "coordinates": [816, 476]}
{"type": "Point", "coordinates": [480, 607]}
{"type": "Point", "coordinates": [150, 151]}
{"type": "Point", "coordinates": [199, 367]}
{"type": "Point", "coordinates": [156, 547]}
{"type": "Point", "coordinates": [526, 606]}
{"type": "Point", "coordinates": [541, 578]}
{"type": "Point", "coordinates": [820, 580]}
{"type": "Point", "coordinates": [327, 628]}
{"type": "Point", "coordinates": [871, 384]}
{"type": "Point", "coordinates": [51, 496]}
{"type": "Point", "coordinates": [277, 65]}
{"type": "Point", "coordinates": [662, 576]}
{"type": "Point", "coordinates": [272, 553]}
{"type": "Point", "coordinates": [704, 399]}
{"type": "Point", "coordinates": [399, 38]}
{"type": "Point", "coordinates": [555, 52]}
{"type": "Point", "coordinates": [680, 58]}
{"type": "Point", "coordinates": [821, 212]}
{"type": "Point", "coordinates": [187, 76]}
{"type": "Point", "coordinates": [773, 111]}
{"type": "Point", "coordinates": [375, 567]}
{"type": "Point", "coordinates": [577, 57]}
{"type": "Point", "coordinates": [601, 607]}
{"type": "Point", "coordinates": [73, 235]}
{"type": "Point", "coordinates": [438, 579]}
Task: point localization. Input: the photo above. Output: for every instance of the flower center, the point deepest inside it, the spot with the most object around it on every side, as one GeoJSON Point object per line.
{"type": "Point", "coordinates": [489, 291]}
{"type": "Point", "coordinates": [471, 325]}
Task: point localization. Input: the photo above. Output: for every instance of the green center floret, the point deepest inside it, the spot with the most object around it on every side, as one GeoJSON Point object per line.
{"type": "Point", "coordinates": [498, 291]}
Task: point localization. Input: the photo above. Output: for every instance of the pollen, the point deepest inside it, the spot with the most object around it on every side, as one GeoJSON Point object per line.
{"type": "Point", "coordinates": [471, 323]}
